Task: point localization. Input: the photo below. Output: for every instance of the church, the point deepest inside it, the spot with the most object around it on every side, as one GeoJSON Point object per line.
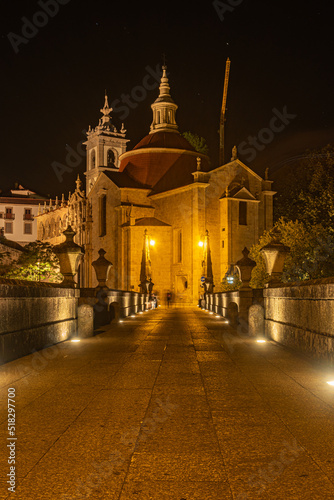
{"type": "Point", "coordinates": [164, 215]}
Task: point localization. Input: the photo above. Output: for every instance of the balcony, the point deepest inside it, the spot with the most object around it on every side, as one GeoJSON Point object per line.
{"type": "Point", "coordinates": [28, 217]}
{"type": "Point", "coordinates": [9, 216]}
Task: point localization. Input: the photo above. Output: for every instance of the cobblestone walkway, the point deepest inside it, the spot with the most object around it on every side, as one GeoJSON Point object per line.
{"type": "Point", "coordinates": [173, 405]}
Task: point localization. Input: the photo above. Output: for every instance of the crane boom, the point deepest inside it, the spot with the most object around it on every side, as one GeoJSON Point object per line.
{"type": "Point", "coordinates": [222, 114]}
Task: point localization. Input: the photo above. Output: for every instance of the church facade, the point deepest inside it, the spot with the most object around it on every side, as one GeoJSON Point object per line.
{"type": "Point", "coordinates": [161, 212]}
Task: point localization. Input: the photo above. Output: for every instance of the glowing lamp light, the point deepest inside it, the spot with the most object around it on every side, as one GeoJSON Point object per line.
{"type": "Point", "coordinates": [218, 317]}
{"type": "Point", "coordinates": [75, 340]}
{"type": "Point", "coordinates": [201, 244]}
{"type": "Point", "coordinates": [133, 316]}
{"type": "Point", "coordinates": [140, 312]}
{"type": "Point", "coordinates": [211, 312]}
{"type": "Point", "coordinates": [152, 243]}
{"type": "Point", "coordinates": [330, 382]}
{"type": "Point", "coordinates": [120, 321]}
{"type": "Point", "coordinates": [261, 341]}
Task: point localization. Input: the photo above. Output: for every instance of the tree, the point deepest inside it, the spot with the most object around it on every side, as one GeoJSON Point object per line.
{"type": "Point", "coordinates": [199, 143]}
{"type": "Point", "coordinates": [311, 253]}
{"type": "Point", "coordinates": [308, 194]}
{"type": "Point", "coordinates": [227, 286]}
{"type": "Point", "coordinates": [36, 263]}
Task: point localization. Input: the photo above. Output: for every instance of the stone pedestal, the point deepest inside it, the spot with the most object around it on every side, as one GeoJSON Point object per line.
{"type": "Point", "coordinates": [102, 267]}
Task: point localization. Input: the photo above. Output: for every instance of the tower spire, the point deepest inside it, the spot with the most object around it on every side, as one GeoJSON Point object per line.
{"type": "Point", "coordinates": [164, 108]}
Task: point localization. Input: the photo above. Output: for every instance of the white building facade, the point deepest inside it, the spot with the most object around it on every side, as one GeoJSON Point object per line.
{"type": "Point", "coordinates": [18, 209]}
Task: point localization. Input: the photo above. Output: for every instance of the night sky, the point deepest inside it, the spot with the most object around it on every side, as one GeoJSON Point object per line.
{"type": "Point", "coordinates": [53, 87]}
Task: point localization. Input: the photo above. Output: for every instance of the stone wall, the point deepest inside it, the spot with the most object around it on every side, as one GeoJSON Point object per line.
{"type": "Point", "coordinates": [33, 316]}
{"type": "Point", "coordinates": [301, 316]}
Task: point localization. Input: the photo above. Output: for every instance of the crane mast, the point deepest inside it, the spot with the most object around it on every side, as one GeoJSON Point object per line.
{"type": "Point", "coordinates": [222, 115]}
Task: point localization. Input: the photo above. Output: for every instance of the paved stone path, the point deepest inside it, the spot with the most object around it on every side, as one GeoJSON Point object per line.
{"type": "Point", "coordinates": [173, 405]}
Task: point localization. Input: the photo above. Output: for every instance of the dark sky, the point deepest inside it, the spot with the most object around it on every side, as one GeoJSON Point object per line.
{"type": "Point", "coordinates": [281, 56]}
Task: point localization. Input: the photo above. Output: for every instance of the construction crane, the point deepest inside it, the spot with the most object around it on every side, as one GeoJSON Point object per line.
{"type": "Point", "coordinates": [222, 115]}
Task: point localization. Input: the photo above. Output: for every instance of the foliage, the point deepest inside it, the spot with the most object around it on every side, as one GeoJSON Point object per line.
{"type": "Point", "coordinates": [308, 194]}
{"type": "Point", "coordinates": [36, 263]}
{"type": "Point", "coordinates": [225, 286]}
{"type": "Point", "coordinates": [311, 253]}
{"type": "Point", "coordinates": [199, 143]}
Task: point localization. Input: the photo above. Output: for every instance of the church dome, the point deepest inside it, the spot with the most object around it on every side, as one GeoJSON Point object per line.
{"type": "Point", "coordinates": [169, 140]}
{"type": "Point", "coordinates": [164, 150]}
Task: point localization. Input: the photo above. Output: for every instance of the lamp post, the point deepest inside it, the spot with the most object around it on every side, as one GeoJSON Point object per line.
{"type": "Point", "coordinates": [69, 255]}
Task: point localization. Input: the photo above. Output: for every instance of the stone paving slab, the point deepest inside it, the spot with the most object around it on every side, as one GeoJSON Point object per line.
{"type": "Point", "coordinates": [174, 405]}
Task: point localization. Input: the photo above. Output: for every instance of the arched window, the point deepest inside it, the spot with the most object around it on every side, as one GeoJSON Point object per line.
{"type": "Point", "coordinates": [110, 158]}
{"type": "Point", "coordinates": [92, 159]}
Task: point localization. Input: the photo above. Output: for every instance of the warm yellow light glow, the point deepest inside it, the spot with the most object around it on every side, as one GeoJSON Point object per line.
{"type": "Point", "coordinates": [218, 317]}
{"type": "Point", "coordinates": [120, 321]}
{"type": "Point", "coordinates": [152, 243]}
{"type": "Point", "coordinates": [330, 382]}
{"type": "Point", "coordinates": [133, 316]}
{"type": "Point", "coordinates": [211, 312]}
{"type": "Point", "coordinates": [141, 312]}
{"type": "Point", "coordinates": [75, 340]}
{"type": "Point", "coordinates": [260, 341]}
{"type": "Point", "coordinates": [201, 244]}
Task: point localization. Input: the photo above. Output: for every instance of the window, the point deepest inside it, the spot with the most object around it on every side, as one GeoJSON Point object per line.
{"type": "Point", "coordinates": [110, 158]}
{"type": "Point", "coordinates": [178, 246]}
{"type": "Point", "coordinates": [9, 227]}
{"type": "Point", "coordinates": [27, 228]}
{"type": "Point", "coordinates": [9, 213]}
{"type": "Point", "coordinates": [103, 215]}
{"type": "Point", "coordinates": [243, 213]}
{"type": "Point", "coordinates": [27, 214]}
{"type": "Point", "coordinates": [92, 159]}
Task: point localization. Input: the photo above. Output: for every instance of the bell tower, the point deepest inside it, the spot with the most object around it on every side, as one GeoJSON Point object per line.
{"type": "Point", "coordinates": [104, 146]}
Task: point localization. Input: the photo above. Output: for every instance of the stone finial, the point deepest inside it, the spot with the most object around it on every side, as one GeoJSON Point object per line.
{"type": "Point", "coordinates": [227, 192]}
{"type": "Point", "coordinates": [266, 174]}
{"type": "Point", "coordinates": [245, 267]}
{"type": "Point", "coordinates": [62, 200]}
{"type": "Point", "coordinates": [78, 183]}
{"type": "Point", "coordinates": [39, 209]}
{"type": "Point", "coordinates": [45, 208]}
{"type": "Point", "coordinates": [199, 163]}
{"type": "Point", "coordinates": [274, 255]}
{"type": "Point", "coordinates": [69, 255]}
{"type": "Point", "coordinates": [102, 267]}
{"type": "Point", "coordinates": [234, 153]}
